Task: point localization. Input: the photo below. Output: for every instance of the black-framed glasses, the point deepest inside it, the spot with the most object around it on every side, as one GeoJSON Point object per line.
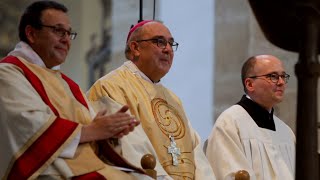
{"type": "Point", "coordinates": [162, 43]}
{"type": "Point", "coordinates": [61, 32]}
{"type": "Point", "coordinates": [274, 77]}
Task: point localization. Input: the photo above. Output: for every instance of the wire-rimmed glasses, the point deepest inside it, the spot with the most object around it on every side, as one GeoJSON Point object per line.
{"type": "Point", "coordinates": [162, 43]}
{"type": "Point", "coordinates": [61, 32]}
{"type": "Point", "coordinates": [274, 77]}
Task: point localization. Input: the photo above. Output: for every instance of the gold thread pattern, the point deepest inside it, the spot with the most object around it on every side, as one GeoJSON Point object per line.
{"type": "Point", "coordinates": [167, 118]}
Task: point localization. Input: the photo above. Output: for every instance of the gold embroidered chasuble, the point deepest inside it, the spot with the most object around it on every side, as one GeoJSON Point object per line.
{"type": "Point", "coordinates": [160, 112]}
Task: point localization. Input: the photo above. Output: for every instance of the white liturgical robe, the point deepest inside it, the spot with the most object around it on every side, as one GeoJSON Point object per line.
{"type": "Point", "coordinates": [238, 143]}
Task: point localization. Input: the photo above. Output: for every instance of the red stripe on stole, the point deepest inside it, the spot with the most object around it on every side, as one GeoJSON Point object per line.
{"type": "Point", "coordinates": [42, 149]}
{"type": "Point", "coordinates": [75, 89]}
{"type": "Point", "coordinates": [33, 79]}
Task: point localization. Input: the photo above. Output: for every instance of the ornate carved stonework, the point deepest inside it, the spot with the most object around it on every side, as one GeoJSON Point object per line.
{"type": "Point", "coordinates": [99, 55]}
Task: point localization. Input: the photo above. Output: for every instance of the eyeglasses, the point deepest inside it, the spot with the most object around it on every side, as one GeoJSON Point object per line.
{"type": "Point", "coordinates": [61, 31]}
{"type": "Point", "coordinates": [162, 43]}
{"type": "Point", "coordinates": [274, 77]}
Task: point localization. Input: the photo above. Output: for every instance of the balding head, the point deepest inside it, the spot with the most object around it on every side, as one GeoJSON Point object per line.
{"type": "Point", "coordinates": [134, 34]}
{"type": "Point", "coordinates": [248, 68]}
{"type": "Point", "coordinates": [264, 80]}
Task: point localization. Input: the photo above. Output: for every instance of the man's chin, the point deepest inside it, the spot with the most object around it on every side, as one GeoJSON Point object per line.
{"type": "Point", "coordinates": [279, 99]}
{"type": "Point", "coordinates": [61, 59]}
{"type": "Point", "coordinates": [164, 72]}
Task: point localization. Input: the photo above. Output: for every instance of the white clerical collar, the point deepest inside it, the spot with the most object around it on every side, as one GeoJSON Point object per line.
{"type": "Point", "coordinates": [135, 70]}
{"type": "Point", "coordinates": [248, 96]}
{"type": "Point", "coordinates": [23, 50]}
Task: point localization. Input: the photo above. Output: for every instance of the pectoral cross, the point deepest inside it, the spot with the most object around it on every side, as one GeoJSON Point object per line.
{"type": "Point", "coordinates": [174, 151]}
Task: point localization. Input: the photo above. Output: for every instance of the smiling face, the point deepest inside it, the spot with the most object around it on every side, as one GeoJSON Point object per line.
{"type": "Point", "coordinates": [51, 47]}
{"type": "Point", "coordinates": [153, 61]}
{"type": "Point", "coordinates": [262, 90]}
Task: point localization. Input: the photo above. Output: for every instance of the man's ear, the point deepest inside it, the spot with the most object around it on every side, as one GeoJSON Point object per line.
{"type": "Point", "coordinates": [248, 82]}
{"type": "Point", "coordinates": [30, 33]}
{"type": "Point", "coordinates": [134, 46]}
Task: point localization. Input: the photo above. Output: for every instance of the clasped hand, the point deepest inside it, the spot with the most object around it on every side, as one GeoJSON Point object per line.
{"type": "Point", "coordinates": [109, 126]}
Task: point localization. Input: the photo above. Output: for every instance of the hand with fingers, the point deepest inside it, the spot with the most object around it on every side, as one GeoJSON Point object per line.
{"type": "Point", "coordinates": [109, 126]}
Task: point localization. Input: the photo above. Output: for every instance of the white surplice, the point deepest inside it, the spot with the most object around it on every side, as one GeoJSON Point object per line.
{"type": "Point", "coordinates": [237, 143]}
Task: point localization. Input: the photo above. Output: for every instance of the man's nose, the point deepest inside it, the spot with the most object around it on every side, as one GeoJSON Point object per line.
{"type": "Point", "coordinates": [281, 80]}
{"type": "Point", "coordinates": [66, 38]}
{"type": "Point", "coordinates": [168, 47]}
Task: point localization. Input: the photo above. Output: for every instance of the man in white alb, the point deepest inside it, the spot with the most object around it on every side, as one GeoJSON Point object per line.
{"type": "Point", "coordinates": [248, 136]}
